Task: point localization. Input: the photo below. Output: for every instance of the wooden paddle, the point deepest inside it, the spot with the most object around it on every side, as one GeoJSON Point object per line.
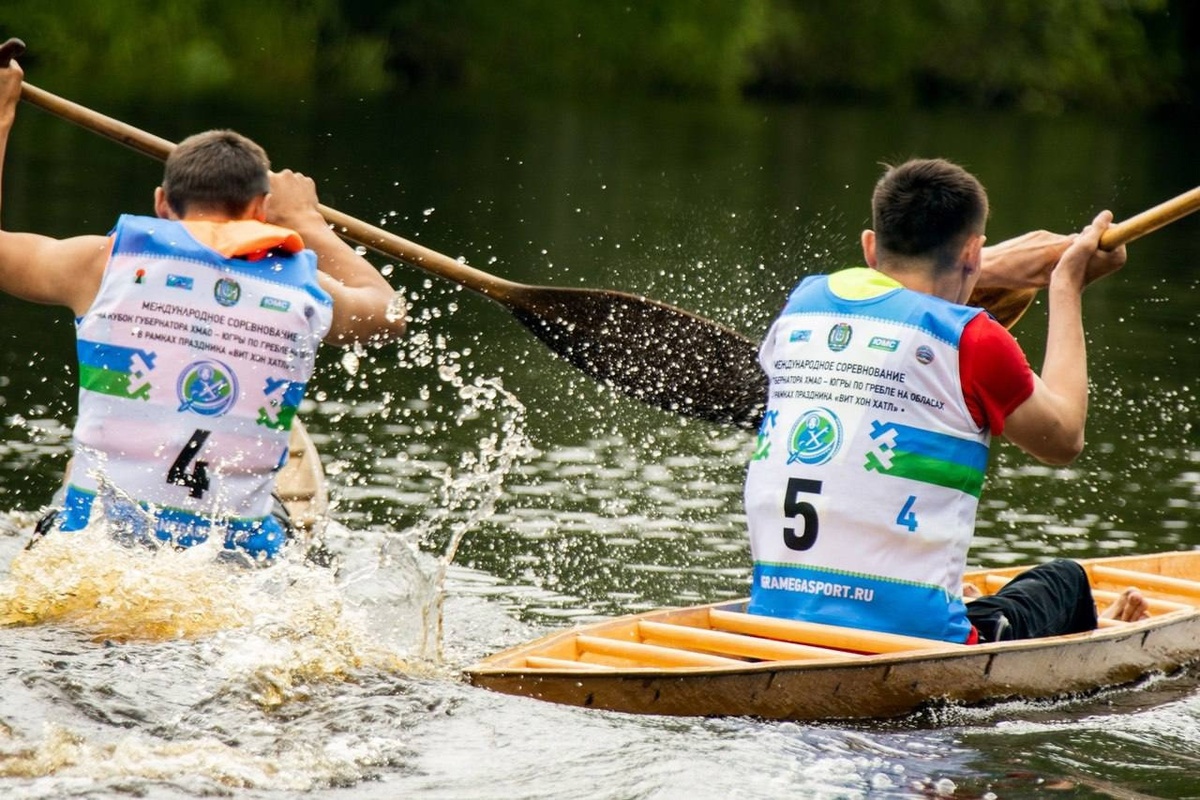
{"type": "Point", "coordinates": [1009, 305]}
{"type": "Point", "coordinates": [655, 352]}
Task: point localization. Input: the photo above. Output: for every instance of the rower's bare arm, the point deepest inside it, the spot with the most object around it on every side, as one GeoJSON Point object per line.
{"type": "Point", "coordinates": [1050, 424]}
{"type": "Point", "coordinates": [1024, 262]}
{"type": "Point", "coordinates": [1027, 261]}
{"type": "Point", "coordinates": [365, 307]}
{"type": "Point", "coordinates": [64, 272]}
{"type": "Point", "coordinates": [38, 268]}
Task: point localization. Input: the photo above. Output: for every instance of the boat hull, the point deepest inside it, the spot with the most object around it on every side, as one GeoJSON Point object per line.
{"type": "Point", "coordinates": [867, 686]}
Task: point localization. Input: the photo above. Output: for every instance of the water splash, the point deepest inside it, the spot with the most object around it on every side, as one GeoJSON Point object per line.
{"type": "Point", "coordinates": [200, 767]}
{"type": "Point", "coordinates": [458, 436]}
{"type": "Point", "coordinates": [468, 492]}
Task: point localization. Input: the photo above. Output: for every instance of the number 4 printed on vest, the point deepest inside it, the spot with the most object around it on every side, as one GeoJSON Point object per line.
{"type": "Point", "coordinates": [907, 517]}
{"type": "Point", "coordinates": [197, 479]}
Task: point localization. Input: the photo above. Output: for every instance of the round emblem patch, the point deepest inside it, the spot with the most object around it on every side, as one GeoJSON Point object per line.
{"type": "Point", "coordinates": [815, 438]}
{"type": "Point", "coordinates": [207, 387]}
{"type": "Point", "coordinates": [839, 337]}
{"type": "Point", "coordinates": [925, 354]}
{"type": "Point", "coordinates": [227, 292]}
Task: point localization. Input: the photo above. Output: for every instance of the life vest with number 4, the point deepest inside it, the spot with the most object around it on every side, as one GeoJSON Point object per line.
{"type": "Point", "coordinates": [193, 360]}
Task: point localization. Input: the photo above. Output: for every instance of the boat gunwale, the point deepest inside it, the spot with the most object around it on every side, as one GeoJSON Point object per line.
{"type": "Point", "coordinates": [301, 485]}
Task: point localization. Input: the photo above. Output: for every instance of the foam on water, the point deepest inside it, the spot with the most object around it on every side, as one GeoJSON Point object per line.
{"type": "Point", "coordinates": [210, 663]}
{"type": "Point", "coordinates": [290, 619]}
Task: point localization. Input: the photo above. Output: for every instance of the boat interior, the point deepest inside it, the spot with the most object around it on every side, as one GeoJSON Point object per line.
{"type": "Point", "coordinates": [724, 635]}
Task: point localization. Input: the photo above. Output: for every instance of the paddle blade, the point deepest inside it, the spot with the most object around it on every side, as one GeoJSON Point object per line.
{"type": "Point", "coordinates": [13, 48]}
{"type": "Point", "coordinates": [657, 353]}
{"type": "Point", "coordinates": [1006, 305]}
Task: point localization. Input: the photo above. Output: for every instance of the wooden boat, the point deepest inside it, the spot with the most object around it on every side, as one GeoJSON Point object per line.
{"type": "Point", "coordinates": [300, 486]}
{"type": "Point", "coordinates": [717, 660]}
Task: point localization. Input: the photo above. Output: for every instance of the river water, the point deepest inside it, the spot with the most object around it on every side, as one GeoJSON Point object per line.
{"type": "Point", "coordinates": [166, 675]}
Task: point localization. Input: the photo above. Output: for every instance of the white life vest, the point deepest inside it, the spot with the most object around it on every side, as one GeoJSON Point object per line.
{"type": "Point", "coordinates": [192, 366]}
{"type": "Point", "coordinates": [862, 491]}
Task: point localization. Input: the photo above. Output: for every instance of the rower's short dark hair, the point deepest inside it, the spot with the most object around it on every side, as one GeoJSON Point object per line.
{"type": "Point", "coordinates": [220, 170]}
{"type": "Point", "coordinates": [927, 207]}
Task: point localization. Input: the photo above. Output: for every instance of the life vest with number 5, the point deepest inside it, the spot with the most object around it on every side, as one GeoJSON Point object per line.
{"type": "Point", "coordinates": [862, 491]}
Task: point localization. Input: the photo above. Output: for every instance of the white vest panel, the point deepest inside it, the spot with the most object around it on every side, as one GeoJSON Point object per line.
{"type": "Point", "coordinates": [192, 367]}
{"type": "Point", "coordinates": [862, 491]}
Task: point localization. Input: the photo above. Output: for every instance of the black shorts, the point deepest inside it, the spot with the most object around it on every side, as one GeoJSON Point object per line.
{"type": "Point", "coordinates": [1051, 599]}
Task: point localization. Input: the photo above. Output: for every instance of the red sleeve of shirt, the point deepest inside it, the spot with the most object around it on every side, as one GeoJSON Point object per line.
{"type": "Point", "coordinates": [996, 376]}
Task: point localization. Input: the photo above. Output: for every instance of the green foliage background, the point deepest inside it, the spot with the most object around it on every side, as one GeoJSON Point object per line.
{"type": "Point", "coordinates": [1039, 55]}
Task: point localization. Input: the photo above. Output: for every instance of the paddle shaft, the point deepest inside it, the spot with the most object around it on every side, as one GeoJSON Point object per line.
{"type": "Point", "coordinates": [1150, 220]}
{"type": "Point", "coordinates": [657, 353]}
{"type": "Point", "coordinates": [502, 291]}
{"type": "Point", "coordinates": [353, 229]}
{"type": "Point", "coordinates": [718, 380]}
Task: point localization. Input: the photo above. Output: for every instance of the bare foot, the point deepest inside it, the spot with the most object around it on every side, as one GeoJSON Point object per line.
{"type": "Point", "coordinates": [1130, 606]}
{"type": "Point", "coordinates": [970, 591]}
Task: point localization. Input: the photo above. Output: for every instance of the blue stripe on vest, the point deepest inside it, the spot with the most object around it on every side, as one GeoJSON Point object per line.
{"type": "Point", "coordinates": [261, 536]}
{"type": "Point", "coordinates": [291, 396]}
{"type": "Point", "coordinates": [111, 356]}
{"type": "Point", "coordinates": [167, 239]}
{"type": "Point", "coordinates": [940, 318]}
{"type": "Point", "coordinates": [936, 445]}
{"type": "Point", "coordinates": [857, 601]}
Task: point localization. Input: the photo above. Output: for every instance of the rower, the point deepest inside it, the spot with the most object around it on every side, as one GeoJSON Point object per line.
{"type": "Point", "coordinates": [862, 491]}
{"type": "Point", "coordinates": [197, 332]}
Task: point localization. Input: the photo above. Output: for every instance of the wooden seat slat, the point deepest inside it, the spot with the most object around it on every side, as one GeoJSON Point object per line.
{"type": "Point", "coordinates": [813, 633]}
{"type": "Point", "coordinates": [545, 662]}
{"type": "Point", "coordinates": [736, 644]}
{"type": "Point", "coordinates": [1146, 580]}
{"type": "Point", "coordinates": [651, 655]}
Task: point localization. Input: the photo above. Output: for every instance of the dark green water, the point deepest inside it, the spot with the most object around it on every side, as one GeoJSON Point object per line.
{"type": "Point", "coordinates": [578, 503]}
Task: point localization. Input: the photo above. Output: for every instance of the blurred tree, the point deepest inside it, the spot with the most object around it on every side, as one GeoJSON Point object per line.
{"type": "Point", "coordinates": [1035, 54]}
{"type": "Point", "coordinates": [191, 47]}
{"type": "Point", "coordinates": [688, 46]}
{"type": "Point", "coordinates": [1038, 55]}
